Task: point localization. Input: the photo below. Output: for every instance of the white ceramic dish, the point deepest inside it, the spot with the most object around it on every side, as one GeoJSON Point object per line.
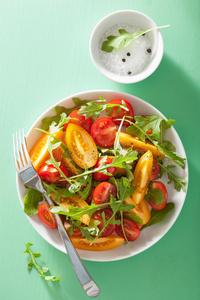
{"type": "Point", "coordinates": [150, 235]}
{"type": "Point", "coordinates": [137, 20]}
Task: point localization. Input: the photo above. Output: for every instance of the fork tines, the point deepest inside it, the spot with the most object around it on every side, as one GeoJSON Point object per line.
{"type": "Point", "coordinates": [20, 150]}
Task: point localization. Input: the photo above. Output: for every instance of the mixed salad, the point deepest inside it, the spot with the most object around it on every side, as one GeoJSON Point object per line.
{"type": "Point", "coordinates": [102, 167]}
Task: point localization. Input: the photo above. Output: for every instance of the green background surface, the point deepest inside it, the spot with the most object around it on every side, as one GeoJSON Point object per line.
{"type": "Point", "coordinates": [44, 57]}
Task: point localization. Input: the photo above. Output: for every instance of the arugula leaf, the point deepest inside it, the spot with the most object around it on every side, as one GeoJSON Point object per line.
{"type": "Point", "coordinates": [179, 183]}
{"type": "Point", "coordinates": [41, 270]}
{"type": "Point", "coordinates": [158, 125]}
{"type": "Point", "coordinates": [133, 217]}
{"type": "Point", "coordinates": [85, 192]}
{"type": "Point", "coordinates": [124, 39]}
{"type": "Point", "coordinates": [159, 215]}
{"type": "Point", "coordinates": [92, 108]}
{"type": "Point", "coordinates": [31, 201]}
{"type": "Point", "coordinates": [59, 192]}
{"type": "Point", "coordinates": [46, 122]}
{"type": "Point", "coordinates": [155, 195]}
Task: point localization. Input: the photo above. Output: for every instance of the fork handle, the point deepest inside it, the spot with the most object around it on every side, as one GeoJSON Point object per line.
{"type": "Point", "coordinates": [86, 281]}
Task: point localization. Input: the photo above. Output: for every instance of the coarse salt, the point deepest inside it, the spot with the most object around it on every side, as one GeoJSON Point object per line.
{"type": "Point", "coordinates": [127, 61]}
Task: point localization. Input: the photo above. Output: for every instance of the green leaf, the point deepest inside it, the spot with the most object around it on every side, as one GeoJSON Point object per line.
{"type": "Point", "coordinates": [133, 217]}
{"type": "Point", "coordinates": [41, 270]}
{"type": "Point", "coordinates": [123, 40]}
{"type": "Point", "coordinates": [155, 195]}
{"type": "Point", "coordinates": [179, 183]}
{"type": "Point", "coordinates": [31, 201]}
{"type": "Point", "coordinates": [159, 215]}
{"type": "Point", "coordinates": [85, 192]}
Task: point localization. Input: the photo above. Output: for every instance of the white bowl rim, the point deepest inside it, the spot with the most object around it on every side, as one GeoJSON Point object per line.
{"type": "Point", "coordinates": [134, 78]}
{"type": "Point", "coordinates": [82, 252]}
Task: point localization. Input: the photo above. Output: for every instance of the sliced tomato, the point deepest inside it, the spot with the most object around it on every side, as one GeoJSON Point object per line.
{"type": "Point", "coordinates": [142, 176]}
{"type": "Point", "coordinates": [39, 154]}
{"type": "Point", "coordinates": [97, 215]}
{"type": "Point", "coordinates": [81, 146]}
{"type": "Point", "coordinates": [81, 121]}
{"type": "Point", "coordinates": [101, 244]}
{"type": "Point", "coordinates": [103, 191]}
{"type": "Point", "coordinates": [141, 210]}
{"type": "Point", "coordinates": [103, 132]}
{"type": "Point", "coordinates": [127, 140]}
{"type": "Point", "coordinates": [119, 115]}
{"type": "Point", "coordinates": [131, 229]}
{"type": "Point", "coordinates": [155, 170]}
{"type": "Point", "coordinates": [50, 174]}
{"type": "Point", "coordinates": [46, 216]}
{"type": "Point", "coordinates": [100, 176]}
{"type": "Point", "coordinates": [159, 185]}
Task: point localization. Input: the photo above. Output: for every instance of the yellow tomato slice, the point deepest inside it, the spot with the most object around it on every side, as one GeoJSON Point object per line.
{"type": "Point", "coordinates": [73, 201]}
{"type": "Point", "coordinates": [142, 176]}
{"type": "Point", "coordinates": [81, 146]}
{"type": "Point", "coordinates": [101, 244]}
{"type": "Point", "coordinates": [141, 210]}
{"type": "Point", "coordinates": [39, 154]}
{"type": "Point", "coordinates": [126, 140]}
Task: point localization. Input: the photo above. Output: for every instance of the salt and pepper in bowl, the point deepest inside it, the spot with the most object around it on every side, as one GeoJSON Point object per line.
{"type": "Point", "coordinates": [121, 56]}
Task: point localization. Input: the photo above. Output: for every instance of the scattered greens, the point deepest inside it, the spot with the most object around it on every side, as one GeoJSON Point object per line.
{"type": "Point", "coordinates": [159, 215]}
{"type": "Point", "coordinates": [124, 39]}
{"type": "Point", "coordinates": [41, 270]}
{"type": "Point", "coordinates": [155, 195]}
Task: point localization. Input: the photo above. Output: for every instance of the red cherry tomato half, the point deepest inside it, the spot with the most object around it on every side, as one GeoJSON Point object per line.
{"type": "Point", "coordinates": [159, 185]}
{"type": "Point", "coordinates": [85, 123]}
{"type": "Point", "coordinates": [101, 177]}
{"type": "Point", "coordinates": [77, 231]}
{"type": "Point", "coordinates": [103, 191]}
{"type": "Point", "coordinates": [123, 112]}
{"type": "Point", "coordinates": [46, 216]}
{"type": "Point", "coordinates": [132, 231]}
{"type": "Point", "coordinates": [50, 174]}
{"type": "Point", "coordinates": [97, 215]}
{"type": "Point", "coordinates": [104, 131]}
{"type": "Point", "coordinates": [155, 170]}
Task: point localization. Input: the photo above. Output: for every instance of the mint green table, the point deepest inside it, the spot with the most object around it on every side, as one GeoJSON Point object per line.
{"type": "Point", "coordinates": [44, 57]}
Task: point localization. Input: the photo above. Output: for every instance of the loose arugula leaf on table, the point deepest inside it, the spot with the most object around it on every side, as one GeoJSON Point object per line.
{"type": "Point", "coordinates": [31, 201]}
{"type": "Point", "coordinates": [179, 183]}
{"type": "Point", "coordinates": [41, 270]}
{"type": "Point", "coordinates": [155, 195]}
{"type": "Point", "coordinates": [92, 108]}
{"type": "Point", "coordinates": [159, 215]}
{"type": "Point", "coordinates": [124, 39]}
{"type": "Point", "coordinates": [46, 122]}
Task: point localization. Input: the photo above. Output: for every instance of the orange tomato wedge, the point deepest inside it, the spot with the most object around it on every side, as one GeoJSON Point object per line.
{"type": "Point", "coordinates": [73, 201]}
{"type": "Point", "coordinates": [81, 146]}
{"type": "Point", "coordinates": [101, 244]}
{"type": "Point", "coordinates": [39, 154]}
{"type": "Point", "coordinates": [142, 176]}
{"type": "Point", "coordinates": [126, 140]}
{"type": "Point", "coordinates": [141, 210]}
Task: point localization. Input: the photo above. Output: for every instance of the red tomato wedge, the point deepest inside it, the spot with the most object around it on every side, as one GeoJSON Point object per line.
{"type": "Point", "coordinates": [46, 216]}
{"type": "Point", "coordinates": [159, 185]}
{"type": "Point", "coordinates": [131, 229]}
{"type": "Point", "coordinates": [101, 177]}
{"type": "Point", "coordinates": [81, 121]}
{"type": "Point", "coordinates": [101, 244]}
{"type": "Point", "coordinates": [97, 215]}
{"type": "Point", "coordinates": [103, 191]}
{"type": "Point", "coordinates": [155, 170]}
{"type": "Point", "coordinates": [50, 174]}
{"type": "Point", "coordinates": [122, 112]}
{"type": "Point", "coordinates": [104, 131]}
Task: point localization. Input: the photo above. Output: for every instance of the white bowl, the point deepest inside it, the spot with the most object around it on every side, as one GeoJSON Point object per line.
{"type": "Point", "coordinates": [137, 20]}
{"type": "Point", "coordinates": [148, 236]}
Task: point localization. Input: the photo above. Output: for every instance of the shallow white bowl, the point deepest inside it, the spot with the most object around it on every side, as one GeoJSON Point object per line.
{"type": "Point", "coordinates": [137, 20]}
{"type": "Point", "coordinates": [148, 236]}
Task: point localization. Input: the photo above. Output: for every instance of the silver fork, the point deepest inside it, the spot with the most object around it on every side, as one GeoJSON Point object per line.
{"type": "Point", "coordinates": [30, 178]}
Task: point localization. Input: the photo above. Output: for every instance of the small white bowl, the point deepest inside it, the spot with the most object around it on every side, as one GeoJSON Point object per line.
{"type": "Point", "coordinates": [134, 19]}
